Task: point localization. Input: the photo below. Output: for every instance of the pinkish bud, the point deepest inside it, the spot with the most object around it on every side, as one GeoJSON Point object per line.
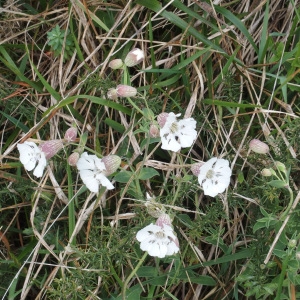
{"type": "Point", "coordinates": [154, 131]}
{"type": "Point", "coordinates": [112, 94]}
{"type": "Point", "coordinates": [162, 119]}
{"type": "Point", "coordinates": [50, 148]}
{"type": "Point", "coordinates": [195, 168]}
{"type": "Point", "coordinates": [126, 91]}
{"type": "Point", "coordinates": [163, 219]}
{"type": "Point", "coordinates": [71, 134]}
{"type": "Point", "coordinates": [73, 159]}
{"type": "Point", "coordinates": [116, 64]}
{"type": "Point", "coordinates": [112, 163]}
{"type": "Point", "coordinates": [258, 147]}
{"type": "Point", "coordinates": [134, 57]}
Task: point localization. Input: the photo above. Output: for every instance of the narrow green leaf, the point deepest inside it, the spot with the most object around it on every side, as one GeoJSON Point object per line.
{"type": "Point", "coordinates": [237, 22]}
{"type": "Point", "coordinates": [228, 104]}
{"type": "Point", "coordinates": [9, 63]}
{"type": "Point", "coordinates": [114, 125]}
{"type": "Point", "coordinates": [264, 36]}
{"type": "Point", "coordinates": [16, 122]}
{"type": "Point", "coordinates": [277, 183]}
{"type": "Point", "coordinates": [92, 15]}
{"type": "Point", "coordinates": [47, 86]}
{"type": "Point", "coordinates": [173, 18]}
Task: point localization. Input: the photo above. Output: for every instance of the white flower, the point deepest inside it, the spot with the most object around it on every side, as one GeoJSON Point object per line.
{"type": "Point", "coordinates": [30, 155]}
{"type": "Point", "coordinates": [91, 170]}
{"type": "Point", "coordinates": [134, 57]}
{"type": "Point", "coordinates": [177, 134]}
{"type": "Point", "coordinates": [214, 176]}
{"type": "Point", "coordinates": [158, 241]}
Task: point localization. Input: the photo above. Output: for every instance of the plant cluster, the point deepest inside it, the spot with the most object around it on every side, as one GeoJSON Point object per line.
{"type": "Point", "coordinates": [150, 150]}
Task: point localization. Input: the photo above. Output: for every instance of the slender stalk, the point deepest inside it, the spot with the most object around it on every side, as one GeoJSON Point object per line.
{"type": "Point", "coordinates": [131, 275]}
{"type": "Point", "coordinates": [281, 277]}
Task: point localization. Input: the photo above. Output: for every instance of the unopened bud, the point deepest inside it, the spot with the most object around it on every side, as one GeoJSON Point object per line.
{"type": "Point", "coordinates": [126, 91]}
{"type": "Point", "coordinates": [280, 166]}
{"type": "Point", "coordinates": [112, 94]}
{"type": "Point", "coordinates": [71, 134]}
{"type": "Point", "coordinates": [163, 219]}
{"type": "Point", "coordinates": [258, 146]}
{"type": "Point", "coordinates": [292, 243]}
{"type": "Point", "coordinates": [195, 168]}
{"type": "Point", "coordinates": [50, 148]}
{"type": "Point", "coordinates": [162, 119]}
{"type": "Point", "coordinates": [154, 131]}
{"type": "Point", "coordinates": [134, 57]}
{"type": "Point", "coordinates": [112, 163]}
{"type": "Point", "coordinates": [73, 159]}
{"type": "Point", "coordinates": [266, 172]}
{"type": "Point", "coordinates": [116, 64]}
{"type": "Point", "coordinates": [154, 209]}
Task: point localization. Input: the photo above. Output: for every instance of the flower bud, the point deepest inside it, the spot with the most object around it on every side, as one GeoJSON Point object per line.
{"type": "Point", "coordinates": [112, 163]}
{"type": "Point", "coordinates": [259, 147]}
{"type": "Point", "coordinates": [71, 134]}
{"type": "Point", "coordinates": [126, 91]}
{"type": "Point", "coordinates": [50, 148]}
{"type": "Point", "coordinates": [162, 119]}
{"type": "Point", "coordinates": [267, 172]}
{"type": "Point", "coordinates": [195, 168]}
{"type": "Point", "coordinates": [112, 94]}
{"type": "Point", "coordinates": [163, 219]}
{"type": "Point", "coordinates": [154, 131]}
{"type": "Point", "coordinates": [134, 57]}
{"type": "Point", "coordinates": [154, 209]}
{"type": "Point", "coordinates": [280, 166]}
{"type": "Point", "coordinates": [73, 159]}
{"type": "Point", "coordinates": [116, 64]}
{"type": "Point", "coordinates": [292, 243]}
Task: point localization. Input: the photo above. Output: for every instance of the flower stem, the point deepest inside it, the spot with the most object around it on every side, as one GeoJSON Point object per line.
{"type": "Point", "coordinates": [289, 206]}
{"type": "Point", "coordinates": [124, 288]}
{"type": "Point", "coordinates": [281, 277]}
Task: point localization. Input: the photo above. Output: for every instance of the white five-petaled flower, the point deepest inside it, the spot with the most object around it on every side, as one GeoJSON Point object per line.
{"type": "Point", "coordinates": [158, 241]}
{"type": "Point", "coordinates": [177, 134]}
{"type": "Point", "coordinates": [32, 157]}
{"type": "Point", "coordinates": [214, 176]}
{"type": "Point", "coordinates": [91, 170]}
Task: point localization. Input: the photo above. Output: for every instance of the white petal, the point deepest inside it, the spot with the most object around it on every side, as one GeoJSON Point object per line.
{"type": "Point", "coordinates": [170, 143]}
{"type": "Point", "coordinates": [39, 170]}
{"type": "Point", "coordinates": [85, 162]}
{"type": "Point", "coordinates": [186, 140]}
{"type": "Point", "coordinates": [104, 181]}
{"type": "Point", "coordinates": [172, 249]}
{"type": "Point", "coordinates": [93, 185]}
{"type": "Point", "coordinates": [88, 178]}
{"type": "Point", "coordinates": [154, 250]}
{"type": "Point", "coordinates": [144, 233]}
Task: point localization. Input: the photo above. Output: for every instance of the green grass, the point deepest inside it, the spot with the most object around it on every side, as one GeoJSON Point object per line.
{"type": "Point", "coordinates": [239, 81]}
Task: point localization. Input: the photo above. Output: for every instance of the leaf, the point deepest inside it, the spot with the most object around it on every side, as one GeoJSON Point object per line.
{"type": "Point", "coordinates": [123, 176]}
{"type": "Point", "coordinates": [228, 104]}
{"type": "Point", "coordinates": [16, 122]}
{"type": "Point", "coordinates": [147, 173]}
{"type": "Point", "coordinates": [277, 183]}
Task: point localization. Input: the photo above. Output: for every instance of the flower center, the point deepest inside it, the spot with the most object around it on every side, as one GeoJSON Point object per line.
{"type": "Point", "coordinates": [210, 174]}
{"type": "Point", "coordinates": [160, 235]}
{"type": "Point", "coordinates": [174, 127]}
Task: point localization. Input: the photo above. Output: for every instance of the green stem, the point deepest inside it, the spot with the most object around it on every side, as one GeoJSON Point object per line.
{"type": "Point", "coordinates": [289, 206]}
{"type": "Point", "coordinates": [124, 288]}
{"type": "Point", "coordinates": [281, 277]}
